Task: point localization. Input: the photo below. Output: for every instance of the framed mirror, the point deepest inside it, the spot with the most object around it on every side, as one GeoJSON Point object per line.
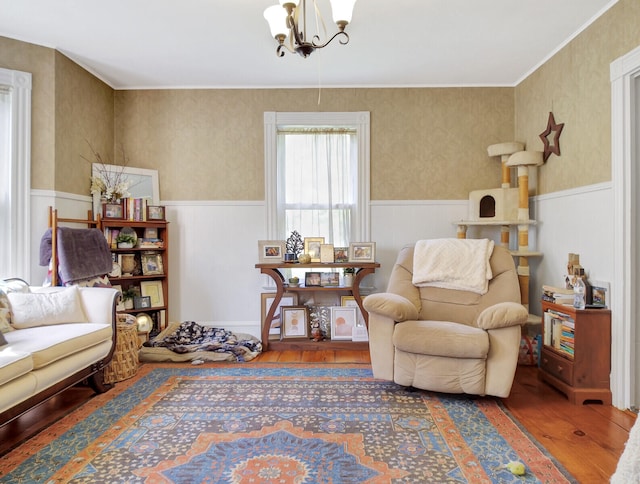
{"type": "Point", "coordinates": [143, 182]}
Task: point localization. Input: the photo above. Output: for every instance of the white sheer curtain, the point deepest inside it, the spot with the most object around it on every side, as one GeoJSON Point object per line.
{"type": "Point", "coordinates": [317, 183]}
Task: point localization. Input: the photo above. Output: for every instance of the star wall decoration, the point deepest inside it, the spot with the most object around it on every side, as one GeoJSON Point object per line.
{"type": "Point", "coordinates": [554, 145]}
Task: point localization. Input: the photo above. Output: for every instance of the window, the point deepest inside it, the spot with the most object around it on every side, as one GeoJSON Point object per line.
{"type": "Point", "coordinates": [15, 173]}
{"type": "Point", "coordinates": [317, 175]}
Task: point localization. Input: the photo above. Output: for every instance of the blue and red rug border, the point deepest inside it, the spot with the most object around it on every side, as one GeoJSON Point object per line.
{"type": "Point", "coordinates": [50, 449]}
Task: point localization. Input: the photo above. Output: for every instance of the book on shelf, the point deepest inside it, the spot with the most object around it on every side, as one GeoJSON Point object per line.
{"type": "Point", "coordinates": [564, 300]}
{"type": "Point", "coordinates": [136, 209]}
{"type": "Point", "coordinates": [557, 295]}
{"type": "Point", "coordinates": [151, 244]}
{"type": "Point", "coordinates": [111, 234]}
{"type": "Point", "coordinates": [559, 331]}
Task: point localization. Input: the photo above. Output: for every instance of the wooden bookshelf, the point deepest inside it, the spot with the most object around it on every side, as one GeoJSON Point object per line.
{"type": "Point", "coordinates": [584, 375]}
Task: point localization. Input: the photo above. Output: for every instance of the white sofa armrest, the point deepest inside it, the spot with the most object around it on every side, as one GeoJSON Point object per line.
{"type": "Point", "coordinates": [99, 303]}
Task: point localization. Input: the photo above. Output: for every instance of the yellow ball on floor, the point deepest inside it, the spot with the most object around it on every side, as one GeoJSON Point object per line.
{"type": "Point", "coordinates": [516, 468]}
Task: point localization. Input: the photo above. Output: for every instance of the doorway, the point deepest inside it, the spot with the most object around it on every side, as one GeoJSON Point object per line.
{"type": "Point", "coordinates": [625, 175]}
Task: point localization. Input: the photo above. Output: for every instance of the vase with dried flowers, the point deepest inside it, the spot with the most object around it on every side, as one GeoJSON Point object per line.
{"type": "Point", "coordinates": [109, 183]}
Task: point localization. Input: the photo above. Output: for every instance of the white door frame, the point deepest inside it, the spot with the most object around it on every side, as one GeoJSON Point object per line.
{"type": "Point", "coordinates": [19, 156]}
{"type": "Point", "coordinates": [625, 79]}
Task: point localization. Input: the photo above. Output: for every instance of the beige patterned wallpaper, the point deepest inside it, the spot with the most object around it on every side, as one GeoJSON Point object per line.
{"type": "Point", "coordinates": [84, 119]}
{"type": "Point", "coordinates": [208, 144]}
{"type": "Point", "coordinates": [40, 62]}
{"type": "Point", "coordinates": [575, 86]}
{"type": "Point", "coordinates": [425, 143]}
{"type": "Point", "coordinates": [69, 107]}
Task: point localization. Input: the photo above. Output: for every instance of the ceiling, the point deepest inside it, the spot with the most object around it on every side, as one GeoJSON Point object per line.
{"type": "Point", "coordinates": [152, 44]}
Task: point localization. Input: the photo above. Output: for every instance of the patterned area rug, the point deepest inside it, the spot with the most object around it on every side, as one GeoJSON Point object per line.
{"type": "Point", "coordinates": [274, 423]}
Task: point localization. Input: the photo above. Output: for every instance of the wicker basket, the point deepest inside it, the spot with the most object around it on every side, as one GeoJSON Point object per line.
{"type": "Point", "coordinates": [124, 363]}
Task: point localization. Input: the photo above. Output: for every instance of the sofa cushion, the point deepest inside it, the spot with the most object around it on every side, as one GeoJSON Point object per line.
{"type": "Point", "coordinates": [5, 320]}
{"type": "Point", "coordinates": [3, 341]}
{"type": "Point", "coordinates": [5, 313]}
{"type": "Point", "coordinates": [13, 364]}
{"type": "Point", "coordinates": [7, 286]}
{"type": "Point", "coordinates": [47, 344]}
{"type": "Point", "coordinates": [38, 309]}
{"type": "Point", "coordinates": [441, 338]}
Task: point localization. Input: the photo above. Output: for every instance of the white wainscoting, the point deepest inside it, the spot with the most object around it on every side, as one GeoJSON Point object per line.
{"type": "Point", "coordinates": [213, 245]}
{"type": "Point", "coordinates": [576, 221]}
{"type": "Point", "coordinates": [212, 260]}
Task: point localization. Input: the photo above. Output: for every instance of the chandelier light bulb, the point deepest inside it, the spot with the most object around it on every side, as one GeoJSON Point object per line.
{"type": "Point", "coordinates": [289, 20]}
{"type": "Point", "coordinates": [342, 11]}
{"type": "Point", "coordinates": [276, 16]}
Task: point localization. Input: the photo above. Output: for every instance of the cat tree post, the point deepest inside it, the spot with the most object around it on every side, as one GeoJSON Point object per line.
{"type": "Point", "coordinates": [504, 150]}
{"type": "Point", "coordinates": [523, 160]}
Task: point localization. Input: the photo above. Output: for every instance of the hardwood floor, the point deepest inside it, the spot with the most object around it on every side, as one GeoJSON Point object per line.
{"type": "Point", "coordinates": [586, 439]}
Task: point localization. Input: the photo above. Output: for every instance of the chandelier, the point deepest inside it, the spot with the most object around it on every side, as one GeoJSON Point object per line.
{"type": "Point", "coordinates": [289, 19]}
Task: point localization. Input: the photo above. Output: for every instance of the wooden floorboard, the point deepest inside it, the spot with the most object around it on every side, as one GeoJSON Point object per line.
{"type": "Point", "coordinates": [586, 439]}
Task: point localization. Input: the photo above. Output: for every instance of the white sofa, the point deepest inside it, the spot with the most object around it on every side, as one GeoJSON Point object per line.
{"type": "Point", "coordinates": [58, 337]}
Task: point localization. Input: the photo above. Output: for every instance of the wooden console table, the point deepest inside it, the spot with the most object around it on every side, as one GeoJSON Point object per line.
{"type": "Point", "coordinates": [273, 270]}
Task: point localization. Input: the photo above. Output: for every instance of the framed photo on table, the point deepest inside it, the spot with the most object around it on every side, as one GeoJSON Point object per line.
{"type": "Point", "coordinates": [329, 279]}
{"type": "Point", "coordinates": [362, 252]}
{"type": "Point", "coordinates": [360, 330]}
{"type": "Point", "coordinates": [600, 294]}
{"type": "Point", "coordinates": [343, 320]}
{"type": "Point", "coordinates": [312, 279]}
{"type": "Point", "coordinates": [312, 247]}
{"type": "Point", "coordinates": [341, 254]}
{"type": "Point", "coordinates": [270, 251]}
{"type": "Point", "coordinates": [295, 322]}
{"type": "Point", "coordinates": [288, 299]}
{"type": "Point", "coordinates": [326, 253]}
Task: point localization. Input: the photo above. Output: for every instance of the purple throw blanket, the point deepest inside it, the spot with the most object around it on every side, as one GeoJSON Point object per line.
{"type": "Point", "coordinates": [82, 253]}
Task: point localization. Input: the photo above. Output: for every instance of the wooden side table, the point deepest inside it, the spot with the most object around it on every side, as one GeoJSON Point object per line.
{"type": "Point", "coordinates": [273, 270]}
{"type": "Point", "coordinates": [124, 363]}
{"type": "Point", "coordinates": [584, 375]}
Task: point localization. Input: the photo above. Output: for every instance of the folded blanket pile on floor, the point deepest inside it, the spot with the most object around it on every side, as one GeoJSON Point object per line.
{"type": "Point", "coordinates": [189, 341]}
